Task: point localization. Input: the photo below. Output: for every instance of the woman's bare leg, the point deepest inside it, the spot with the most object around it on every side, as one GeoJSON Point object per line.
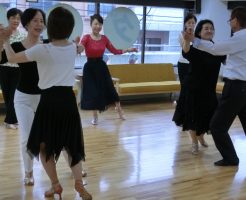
{"type": "Point", "coordinates": [194, 148]}
{"type": "Point", "coordinates": [119, 110]}
{"type": "Point", "coordinates": [95, 118]}
{"type": "Point", "coordinates": [50, 168]}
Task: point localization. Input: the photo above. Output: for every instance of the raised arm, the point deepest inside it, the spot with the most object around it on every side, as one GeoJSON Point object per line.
{"type": "Point", "coordinates": [1, 40]}
{"type": "Point", "coordinates": [14, 57]}
{"type": "Point", "coordinates": [187, 38]}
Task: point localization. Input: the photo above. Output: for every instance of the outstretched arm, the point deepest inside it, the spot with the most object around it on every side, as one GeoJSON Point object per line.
{"type": "Point", "coordinates": [80, 47]}
{"type": "Point", "coordinates": [113, 50]}
{"type": "Point", "coordinates": [130, 50]}
{"type": "Point", "coordinates": [232, 45]}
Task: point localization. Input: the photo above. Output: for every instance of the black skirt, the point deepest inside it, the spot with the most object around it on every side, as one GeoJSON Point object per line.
{"type": "Point", "coordinates": [57, 124]}
{"type": "Point", "coordinates": [179, 114]}
{"type": "Point", "coordinates": [199, 108]}
{"type": "Point", "coordinates": [98, 89]}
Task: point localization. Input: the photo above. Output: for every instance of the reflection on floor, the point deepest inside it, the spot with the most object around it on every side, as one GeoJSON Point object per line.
{"type": "Point", "coordinates": [145, 157]}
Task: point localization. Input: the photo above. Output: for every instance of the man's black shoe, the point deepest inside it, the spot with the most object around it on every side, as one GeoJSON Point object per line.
{"type": "Point", "coordinates": [225, 163]}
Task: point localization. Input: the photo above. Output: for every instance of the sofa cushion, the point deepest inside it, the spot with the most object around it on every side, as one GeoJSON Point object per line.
{"type": "Point", "coordinates": [138, 73]}
{"type": "Point", "coordinates": [149, 87]}
{"type": "Point", "coordinates": [219, 87]}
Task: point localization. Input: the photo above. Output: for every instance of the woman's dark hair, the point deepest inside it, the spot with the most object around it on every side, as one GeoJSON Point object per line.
{"type": "Point", "coordinates": [240, 14]}
{"type": "Point", "coordinates": [97, 17]}
{"type": "Point", "coordinates": [190, 16]}
{"type": "Point", "coordinates": [60, 24]}
{"type": "Point", "coordinates": [29, 14]}
{"type": "Point", "coordinates": [13, 12]}
{"type": "Point", "coordinates": [200, 25]}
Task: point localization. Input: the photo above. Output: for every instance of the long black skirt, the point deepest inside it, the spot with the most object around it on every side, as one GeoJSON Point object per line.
{"type": "Point", "coordinates": [57, 124]}
{"type": "Point", "coordinates": [98, 89]}
{"type": "Point", "coordinates": [179, 113]}
{"type": "Point", "coordinates": [199, 108]}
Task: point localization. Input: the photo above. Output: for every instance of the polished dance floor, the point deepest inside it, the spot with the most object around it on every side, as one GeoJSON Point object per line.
{"type": "Point", "coordinates": [145, 157]}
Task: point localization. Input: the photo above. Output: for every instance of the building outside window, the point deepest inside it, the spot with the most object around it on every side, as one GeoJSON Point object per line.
{"type": "Point", "coordinates": [163, 26]}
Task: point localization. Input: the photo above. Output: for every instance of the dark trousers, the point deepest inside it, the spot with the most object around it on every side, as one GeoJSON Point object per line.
{"type": "Point", "coordinates": [232, 104]}
{"type": "Point", "coordinates": [8, 79]}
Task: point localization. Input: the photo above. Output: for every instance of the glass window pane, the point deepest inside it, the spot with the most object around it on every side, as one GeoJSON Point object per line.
{"type": "Point", "coordinates": [162, 28]}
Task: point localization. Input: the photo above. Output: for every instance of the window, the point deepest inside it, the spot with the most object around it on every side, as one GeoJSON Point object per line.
{"type": "Point", "coordinates": [153, 44]}
{"type": "Point", "coordinates": [91, 9]}
{"type": "Point", "coordinates": [163, 26]}
{"type": "Point", "coordinates": [104, 8]}
{"type": "Point", "coordinates": [42, 4]}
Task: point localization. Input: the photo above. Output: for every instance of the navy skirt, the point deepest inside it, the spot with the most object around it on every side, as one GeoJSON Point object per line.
{"type": "Point", "coordinates": [98, 89]}
{"type": "Point", "coordinates": [57, 124]}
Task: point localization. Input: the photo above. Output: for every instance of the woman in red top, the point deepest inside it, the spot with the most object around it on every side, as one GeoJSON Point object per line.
{"type": "Point", "coordinates": [98, 88]}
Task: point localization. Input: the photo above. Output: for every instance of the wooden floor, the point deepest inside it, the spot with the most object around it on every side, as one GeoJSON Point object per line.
{"type": "Point", "coordinates": [145, 157]}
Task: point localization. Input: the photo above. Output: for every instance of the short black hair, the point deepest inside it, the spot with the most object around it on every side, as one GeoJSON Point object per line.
{"type": "Point", "coordinates": [239, 13]}
{"type": "Point", "coordinates": [29, 14]}
{"type": "Point", "coordinates": [97, 17]}
{"type": "Point", "coordinates": [200, 25]}
{"type": "Point", "coordinates": [190, 16]}
{"type": "Point", "coordinates": [60, 24]}
{"type": "Point", "coordinates": [13, 12]}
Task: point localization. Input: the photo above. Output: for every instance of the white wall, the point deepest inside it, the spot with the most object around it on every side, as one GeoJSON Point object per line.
{"type": "Point", "coordinates": [217, 11]}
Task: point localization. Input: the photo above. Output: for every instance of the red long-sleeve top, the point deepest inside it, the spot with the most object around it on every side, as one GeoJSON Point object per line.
{"type": "Point", "coordinates": [96, 48]}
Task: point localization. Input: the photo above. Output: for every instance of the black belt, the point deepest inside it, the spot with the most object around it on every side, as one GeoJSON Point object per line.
{"type": "Point", "coordinates": [234, 81]}
{"type": "Point", "coordinates": [95, 59]}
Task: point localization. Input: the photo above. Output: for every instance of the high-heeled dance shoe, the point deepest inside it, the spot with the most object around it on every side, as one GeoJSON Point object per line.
{"type": "Point", "coordinates": [56, 189]}
{"type": "Point", "coordinates": [82, 191]}
{"type": "Point", "coordinates": [120, 113]}
{"type": "Point", "coordinates": [195, 148]}
{"type": "Point", "coordinates": [29, 180]}
{"type": "Point", "coordinates": [94, 121]}
{"type": "Point", "coordinates": [10, 126]}
{"type": "Point", "coordinates": [84, 173]}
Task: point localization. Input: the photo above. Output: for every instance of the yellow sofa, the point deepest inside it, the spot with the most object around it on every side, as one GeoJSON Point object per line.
{"type": "Point", "coordinates": [1, 97]}
{"type": "Point", "coordinates": [136, 79]}
{"type": "Point", "coordinates": [219, 87]}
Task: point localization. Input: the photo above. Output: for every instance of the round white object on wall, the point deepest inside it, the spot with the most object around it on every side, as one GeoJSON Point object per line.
{"type": "Point", "coordinates": [78, 25]}
{"type": "Point", "coordinates": [3, 16]}
{"type": "Point", "coordinates": [122, 27]}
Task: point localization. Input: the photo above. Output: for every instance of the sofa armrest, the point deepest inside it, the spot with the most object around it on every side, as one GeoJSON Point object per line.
{"type": "Point", "coordinates": [116, 82]}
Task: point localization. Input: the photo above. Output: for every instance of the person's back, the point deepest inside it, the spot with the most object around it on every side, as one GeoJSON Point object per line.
{"type": "Point", "coordinates": [57, 69]}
